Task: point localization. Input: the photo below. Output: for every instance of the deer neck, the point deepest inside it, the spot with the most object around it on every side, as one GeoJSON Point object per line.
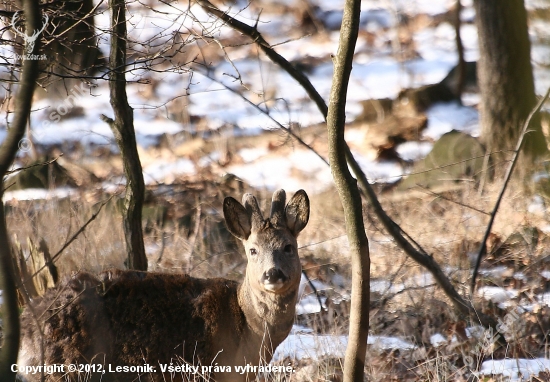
{"type": "Point", "coordinates": [270, 316]}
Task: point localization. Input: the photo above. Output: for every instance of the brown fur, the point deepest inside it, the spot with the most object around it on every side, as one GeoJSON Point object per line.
{"type": "Point", "coordinates": [131, 318]}
{"type": "Point", "coordinates": [186, 316]}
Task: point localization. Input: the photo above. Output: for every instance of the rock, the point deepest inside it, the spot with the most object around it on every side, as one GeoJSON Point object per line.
{"type": "Point", "coordinates": [455, 157]}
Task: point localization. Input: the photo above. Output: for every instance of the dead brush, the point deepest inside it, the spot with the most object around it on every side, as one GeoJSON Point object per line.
{"type": "Point", "coordinates": [54, 221]}
{"type": "Point", "coordinates": [201, 246]}
{"type": "Point", "coordinates": [323, 369]}
{"type": "Point", "coordinates": [432, 217]}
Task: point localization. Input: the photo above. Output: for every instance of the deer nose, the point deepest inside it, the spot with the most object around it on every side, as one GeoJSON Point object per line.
{"type": "Point", "coordinates": [273, 276]}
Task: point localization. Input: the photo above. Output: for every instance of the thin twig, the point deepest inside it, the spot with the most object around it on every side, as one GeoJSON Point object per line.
{"type": "Point", "coordinates": [72, 238]}
{"type": "Point", "coordinates": [266, 113]}
{"type": "Point", "coordinates": [439, 195]}
{"type": "Point", "coordinates": [81, 19]}
{"type": "Point", "coordinates": [323, 308]}
{"type": "Point", "coordinates": [448, 164]}
{"type": "Point", "coordinates": [403, 240]}
{"type": "Point", "coordinates": [524, 131]}
{"type": "Point", "coordinates": [34, 165]}
{"type": "Point", "coordinates": [322, 241]}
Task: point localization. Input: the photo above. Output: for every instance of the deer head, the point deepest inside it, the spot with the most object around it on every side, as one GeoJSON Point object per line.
{"type": "Point", "coordinates": [270, 244]}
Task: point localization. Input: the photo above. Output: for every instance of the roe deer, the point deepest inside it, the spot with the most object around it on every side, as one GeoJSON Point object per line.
{"type": "Point", "coordinates": [131, 318]}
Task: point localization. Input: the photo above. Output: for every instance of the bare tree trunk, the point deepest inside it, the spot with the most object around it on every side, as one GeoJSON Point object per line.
{"type": "Point", "coordinates": [72, 48]}
{"type": "Point", "coordinates": [123, 129]}
{"type": "Point", "coordinates": [10, 309]}
{"type": "Point", "coordinates": [461, 66]}
{"type": "Point", "coordinates": [506, 78]}
{"type": "Point", "coordinates": [404, 241]}
{"type": "Point", "coordinates": [346, 185]}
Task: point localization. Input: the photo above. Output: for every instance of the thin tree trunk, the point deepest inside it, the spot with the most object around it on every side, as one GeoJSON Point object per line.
{"type": "Point", "coordinates": [8, 149]}
{"type": "Point", "coordinates": [405, 242]}
{"type": "Point", "coordinates": [123, 129]}
{"type": "Point", "coordinates": [461, 67]}
{"type": "Point", "coordinates": [346, 185]}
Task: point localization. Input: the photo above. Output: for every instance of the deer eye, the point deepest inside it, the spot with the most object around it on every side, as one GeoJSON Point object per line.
{"type": "Point", "coordinates": [253, 252]}
{"type": "Point", "coordinates": [288, 248]}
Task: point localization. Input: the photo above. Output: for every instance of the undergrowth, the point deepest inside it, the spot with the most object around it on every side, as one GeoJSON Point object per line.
{"type": "Point", "coordinates": [406, 303]}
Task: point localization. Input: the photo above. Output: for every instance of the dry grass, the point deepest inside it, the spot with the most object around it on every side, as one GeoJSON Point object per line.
{"type": "Point", "coordinates": [193, 240]}
{"type": "Point", "coordinates": [98, 248]}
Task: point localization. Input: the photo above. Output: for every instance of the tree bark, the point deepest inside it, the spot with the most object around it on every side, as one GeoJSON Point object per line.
{"type": "Point", "coordinates": [506, 79]}
{"type": "Point", "coordinates": [123, 129]}
{"type": "Point", "coordinates": [354, 363]}
{"type": "Point", "coordinates": [72, 48]}
{"type": "Point", "coordinates": [461, 66]}
{"type": "Point", "coordinates": [8, 149]}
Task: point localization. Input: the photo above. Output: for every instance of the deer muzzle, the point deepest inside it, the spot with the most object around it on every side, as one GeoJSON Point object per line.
{"type": "Point", "coordinates": [273, 279]}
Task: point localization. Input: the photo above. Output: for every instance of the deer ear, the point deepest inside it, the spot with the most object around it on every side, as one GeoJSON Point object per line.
{"type": "Point", "coordinates": [237, 218]}
{"type": "Point", "coordinates": [297, 212]}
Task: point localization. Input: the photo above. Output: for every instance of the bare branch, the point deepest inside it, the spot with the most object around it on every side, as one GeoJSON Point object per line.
{"type": "Point", "coordinates": [72, 238]}
{"type": "Point", "coordinates": [34, 165]}
{"type": "Point", "coordinates": [256, 36]}
{"type": "Point", "coordinates": [509, 171]}
{"type": "Point", "coordinates": [403, 240]}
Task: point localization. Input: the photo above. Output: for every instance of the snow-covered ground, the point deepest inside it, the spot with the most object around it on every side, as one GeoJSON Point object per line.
{"type": "Point", "coordinates": [516, 370]}
{"type": "Point", "coordinates": [299, 345]}
{"type": "Point", "coordinates": [377, 73]}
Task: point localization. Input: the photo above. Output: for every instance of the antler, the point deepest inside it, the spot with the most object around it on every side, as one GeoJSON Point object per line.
{"type": "Point", "coordinates": [278, 207]}
{"type": "Point", "coordinates": [44, 25]}
{"type": "Point", "coordinates": [29, 40]}
{"type": "Point", "coordinates": [251, 204]}
{"type": "Point", "coordinates": [14, 20]}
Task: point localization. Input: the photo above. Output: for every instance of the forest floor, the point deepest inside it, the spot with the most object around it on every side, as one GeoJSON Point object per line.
{"type": "Point", "coordinates": [200, 142]}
